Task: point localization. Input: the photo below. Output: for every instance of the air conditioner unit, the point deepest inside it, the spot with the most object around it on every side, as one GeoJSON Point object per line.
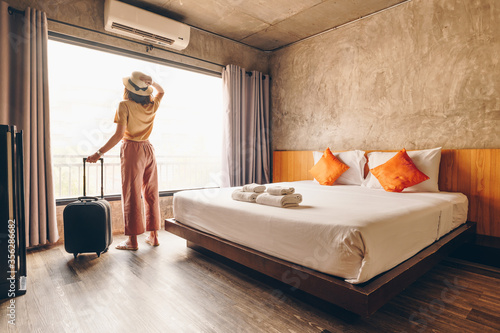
{"type": "Point", "coordinates": [127, 20]}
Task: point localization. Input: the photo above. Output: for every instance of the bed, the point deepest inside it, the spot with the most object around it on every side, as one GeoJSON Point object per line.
{"type": "Point", "coordinates": [390, 241]}
{"type": "Point", "coordinates": [348, 231]}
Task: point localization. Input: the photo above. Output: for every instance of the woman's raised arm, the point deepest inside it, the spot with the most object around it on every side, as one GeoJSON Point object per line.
{"type": "Point", "coordinates": [149, 81]}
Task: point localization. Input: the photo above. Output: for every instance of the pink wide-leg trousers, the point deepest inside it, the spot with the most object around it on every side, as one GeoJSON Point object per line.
{"type": "Point", "coordinates": [139, 176]}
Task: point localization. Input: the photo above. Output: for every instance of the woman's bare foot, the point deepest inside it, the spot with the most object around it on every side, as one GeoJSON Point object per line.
{"type": "Point", "coordinates": [132, 240]}
{"type": "Point", "coordinates": [152, 239]}
{"type": "Point", "coordinates": [130, 244]}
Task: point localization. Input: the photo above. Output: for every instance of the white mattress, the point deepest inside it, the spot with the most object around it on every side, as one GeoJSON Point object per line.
{"type": "Point", "coordinates": [352, 232]}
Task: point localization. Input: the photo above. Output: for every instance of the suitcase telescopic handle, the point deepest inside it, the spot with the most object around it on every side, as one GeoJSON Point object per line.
{"type": "Point", "coordinates": [85, 179]}
{"type": "Point", "coordinates": [86, 198]}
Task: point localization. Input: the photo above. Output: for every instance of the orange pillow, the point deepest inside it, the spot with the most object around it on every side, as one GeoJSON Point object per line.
{"type": "Point", "coordinates": [328, 168]}
{"type": "Point", "coordinates": [398, 173]}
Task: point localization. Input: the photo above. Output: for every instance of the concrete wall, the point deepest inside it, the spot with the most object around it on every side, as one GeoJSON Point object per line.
{"type": "Point", "coordinates": [420, 75]}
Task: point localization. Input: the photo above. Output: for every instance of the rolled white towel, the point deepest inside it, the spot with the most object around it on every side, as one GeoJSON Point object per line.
{"type": "Point", "coordinates": [288, 200]}
{"type": "Point", "coordinates": [257, 188]}
{"type": "Point", "coordinates": [280, 190]}
{"type": "Point", "coordinates": [244, 196]}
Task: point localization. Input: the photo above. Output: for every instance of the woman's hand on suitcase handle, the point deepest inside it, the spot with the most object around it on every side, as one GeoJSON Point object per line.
{"type": "Point", "coordinates": [93, 158]}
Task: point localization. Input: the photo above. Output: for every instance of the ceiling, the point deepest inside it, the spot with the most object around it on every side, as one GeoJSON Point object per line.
{"type": "Point", "coordinates": [265, 24]}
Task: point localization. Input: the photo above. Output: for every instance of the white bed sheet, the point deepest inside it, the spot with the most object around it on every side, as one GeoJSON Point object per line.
{"type": "Point", "coordinates": [352, 232]}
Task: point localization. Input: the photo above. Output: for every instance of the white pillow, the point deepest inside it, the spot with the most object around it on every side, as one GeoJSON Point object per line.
{"type": "Point", "coordinates": [426, 161]}
{"type": "Point", "coordinates": [354, 159]}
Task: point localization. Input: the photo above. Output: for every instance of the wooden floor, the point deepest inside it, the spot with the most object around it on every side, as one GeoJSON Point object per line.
{"type": "Point", "coordinates": [172, 288]}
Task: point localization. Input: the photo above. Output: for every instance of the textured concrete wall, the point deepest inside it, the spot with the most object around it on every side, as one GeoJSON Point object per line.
{"type": "Point", "coordinates": [89, 14]}
{"type": "Point", "coordinates": [419, 75]}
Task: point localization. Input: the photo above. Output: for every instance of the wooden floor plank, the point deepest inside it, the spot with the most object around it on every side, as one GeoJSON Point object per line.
{"type": "Point", "coordinates": [172, 288]}
{"type": "Point", "coordinates": [487, 319]}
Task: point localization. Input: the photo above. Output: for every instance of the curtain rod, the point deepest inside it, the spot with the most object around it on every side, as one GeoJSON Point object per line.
{"type": "Point", "coordinates": [12, 11]}
{"type": "Point", "coordinates": [263, 75]}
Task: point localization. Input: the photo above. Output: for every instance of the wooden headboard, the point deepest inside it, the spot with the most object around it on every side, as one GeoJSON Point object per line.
{"type": "Point", "coordinates": [473, 172]}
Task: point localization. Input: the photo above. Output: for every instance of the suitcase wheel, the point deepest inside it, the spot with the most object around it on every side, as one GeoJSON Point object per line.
{"type": "Point", "coordinates": [75, 255]}
{"type": "Point", "coordinates": [98, 254]}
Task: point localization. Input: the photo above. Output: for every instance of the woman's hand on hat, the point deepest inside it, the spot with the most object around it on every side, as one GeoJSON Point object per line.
{"type": "Point", "coordinates": [146, 79]}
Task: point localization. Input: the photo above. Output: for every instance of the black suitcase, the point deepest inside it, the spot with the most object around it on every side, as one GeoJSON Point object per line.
{"type": "Point", "coordinates": [87, 222]}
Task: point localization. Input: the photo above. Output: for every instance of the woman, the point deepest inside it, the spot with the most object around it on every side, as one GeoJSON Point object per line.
{"type": "Point", "coordinates": [134, 122]}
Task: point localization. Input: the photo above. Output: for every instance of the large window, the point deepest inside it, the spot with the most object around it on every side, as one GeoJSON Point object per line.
{"type": "Point", "coordinates": [85, 87]}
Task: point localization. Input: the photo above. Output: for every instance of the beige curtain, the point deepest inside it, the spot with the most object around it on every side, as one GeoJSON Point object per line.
{"type": "Point", "coordinates": [246, 139]}
{"type": "Point", "coordinates": [24, 102]}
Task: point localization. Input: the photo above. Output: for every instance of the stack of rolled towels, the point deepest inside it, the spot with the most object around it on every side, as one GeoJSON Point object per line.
{"type": "Point", "coordinates": [278, 196]}
{"type": "Point", "coordinates": [248, 193]}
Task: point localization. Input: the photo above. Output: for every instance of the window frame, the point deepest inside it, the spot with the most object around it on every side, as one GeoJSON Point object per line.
{"type": "Point", "coordinates": [58, 37]}
{"type": "Point", "coordinates": [55, 36]}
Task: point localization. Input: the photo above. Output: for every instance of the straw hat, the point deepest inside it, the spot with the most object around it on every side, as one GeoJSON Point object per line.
{"type": "Point", "coordinates": [135, 85]}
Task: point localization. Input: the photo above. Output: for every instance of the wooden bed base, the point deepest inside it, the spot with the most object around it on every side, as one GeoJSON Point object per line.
{"type": "Point", "coordinates": [363, 299]}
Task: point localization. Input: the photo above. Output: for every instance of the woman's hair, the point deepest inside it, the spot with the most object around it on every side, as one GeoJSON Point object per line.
{"type": "Point", "coordinates": [144, 100]}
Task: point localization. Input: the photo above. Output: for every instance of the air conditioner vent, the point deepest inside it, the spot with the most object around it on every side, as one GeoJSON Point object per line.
{"type": "Point", "coordinates": [123, 19]}
{"type": "Point", "coordinates": [146, 35]}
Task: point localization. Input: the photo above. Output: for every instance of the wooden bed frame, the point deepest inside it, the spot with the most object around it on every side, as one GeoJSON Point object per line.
{"type": "Point", "coordinates": [363, 299]}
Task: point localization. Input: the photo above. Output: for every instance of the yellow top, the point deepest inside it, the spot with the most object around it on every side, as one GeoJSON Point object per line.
{"type": "Point", "coordinates": [137, 118]}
